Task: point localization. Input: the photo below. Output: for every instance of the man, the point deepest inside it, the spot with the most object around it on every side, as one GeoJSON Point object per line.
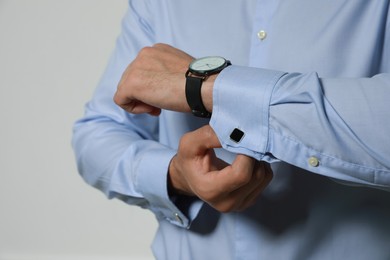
{"type": "Point", "coordinates": [306, 94]}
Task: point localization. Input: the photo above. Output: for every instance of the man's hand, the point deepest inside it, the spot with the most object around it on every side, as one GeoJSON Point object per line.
{"type": "Point", "coordinates": [195, 170]}
{"type": "Point", "coordinates": [155, 80]}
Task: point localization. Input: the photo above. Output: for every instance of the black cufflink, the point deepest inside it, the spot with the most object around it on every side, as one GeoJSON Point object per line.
{"type": "Point", "coordinates": [236, 135]}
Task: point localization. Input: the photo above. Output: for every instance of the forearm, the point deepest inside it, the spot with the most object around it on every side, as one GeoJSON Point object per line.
{"type": "Point", "coordinates": [304, 117]}
{"type": "Point", "coordinates": [101, 146]}
{"type": "Point", "coordinates": [125, 166]}
{"type": "Point", "coordinates": [121, 154]}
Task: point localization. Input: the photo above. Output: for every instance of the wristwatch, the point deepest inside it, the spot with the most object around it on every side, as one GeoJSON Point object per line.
{"type": "Point", "coordinates": [198, 71]}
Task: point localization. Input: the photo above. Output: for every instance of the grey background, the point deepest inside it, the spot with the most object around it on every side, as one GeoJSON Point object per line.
{"type": "Point", "coordinates": [52, 54]}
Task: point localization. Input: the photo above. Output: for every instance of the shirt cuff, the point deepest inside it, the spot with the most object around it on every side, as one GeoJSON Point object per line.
{"type": "Point", "coordinates": [241, 98]}
{"type": "Point", "coordinates": [152, 184]}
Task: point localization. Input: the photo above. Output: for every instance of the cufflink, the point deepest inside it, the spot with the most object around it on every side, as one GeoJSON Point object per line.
{"type": "Point", "coordinates": [237, 135]}
{"type": "Point", "coordinates": [178, 218]}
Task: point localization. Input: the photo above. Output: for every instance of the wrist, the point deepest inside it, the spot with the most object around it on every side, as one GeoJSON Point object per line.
{"type": "Point", "coordinates": [175, 183]}
{"type": "Point", "coordinates": [207, 92]}
{"type": "Point", "coordinates": [200, 78]}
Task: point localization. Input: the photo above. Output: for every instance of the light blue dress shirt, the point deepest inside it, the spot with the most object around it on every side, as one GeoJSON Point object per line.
{"type": "Point", "coordinates": [309, 87]}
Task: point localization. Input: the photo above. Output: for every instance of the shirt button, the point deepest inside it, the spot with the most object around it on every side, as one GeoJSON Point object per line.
{"type": "Point", "coordinates": [313, 161]}
{"type": "Point", "coordinates": [262, 35]}
{"type": "Point", "coordinates": [178, 218]}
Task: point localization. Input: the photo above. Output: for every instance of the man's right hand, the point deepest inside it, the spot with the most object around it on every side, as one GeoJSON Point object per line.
{"type": "Point", "coordinates": [196, 171]}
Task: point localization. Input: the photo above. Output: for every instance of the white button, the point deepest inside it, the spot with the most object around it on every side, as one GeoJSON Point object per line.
{"type": "Point", "coordinates": [178, 218]}
{"type": "Point", "coordinates": [313, 161]}
{"type": "Point", "coordinates": [262, 35]}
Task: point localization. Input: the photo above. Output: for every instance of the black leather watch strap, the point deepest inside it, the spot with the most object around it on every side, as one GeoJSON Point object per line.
{"type": "Point", "coordinates": [194, 96]}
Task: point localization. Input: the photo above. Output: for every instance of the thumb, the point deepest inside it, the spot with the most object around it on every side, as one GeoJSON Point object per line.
{"type": "Point", "coordinates": [200, 141]}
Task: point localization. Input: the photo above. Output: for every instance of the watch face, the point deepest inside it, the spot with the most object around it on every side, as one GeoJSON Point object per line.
{"type": "Point", "coordinates": [207, 65]}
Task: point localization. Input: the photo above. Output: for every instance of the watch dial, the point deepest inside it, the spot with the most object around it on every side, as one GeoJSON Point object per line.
{"type": "Point", "coordinates": [207, 63]}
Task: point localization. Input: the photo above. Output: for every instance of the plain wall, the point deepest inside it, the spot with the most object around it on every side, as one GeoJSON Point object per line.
{"type": "Point", "coordinates": [52, 54]}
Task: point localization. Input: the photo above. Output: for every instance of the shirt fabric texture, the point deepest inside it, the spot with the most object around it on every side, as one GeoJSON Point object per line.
{"type": "Point", "coordinates": [309, 87]}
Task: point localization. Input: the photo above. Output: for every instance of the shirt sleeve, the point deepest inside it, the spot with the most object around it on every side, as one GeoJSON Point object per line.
{"type": "Point", "coordinates": [117, 152]}
{"type": "Point", "coordinates": [337, 127]}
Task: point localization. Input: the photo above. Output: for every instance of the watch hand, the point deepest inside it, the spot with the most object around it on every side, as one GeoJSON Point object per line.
{"type": "Point", "coordinates": [204, 65]}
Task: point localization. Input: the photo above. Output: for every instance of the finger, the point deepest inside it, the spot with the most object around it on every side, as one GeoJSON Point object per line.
{"type": "Point", "coordinates": [236, 175]}
{"type": "Point", "coordinates": [241, 198]}
{"type": "Point", "coordinates": [218, 164]}
{"type": "Point", "coordinates": [269, 173]}
{"type": "Point", "coordinates": [245, 195]}
{"type": "Point", "coordinates": [138, 107]}
{"type": "Point", "coordinates": [251, 198]}
{"type": "Point", "coordinates": [199, 141]}
{"type": "Point", "coordinates": [155, 111]}
{"type": "Point", "coordinates": [142, 108]}
{"type": "Point", "coordinates": [248, 194]}
{"type": "Point", "coordinates": [243, 163]}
